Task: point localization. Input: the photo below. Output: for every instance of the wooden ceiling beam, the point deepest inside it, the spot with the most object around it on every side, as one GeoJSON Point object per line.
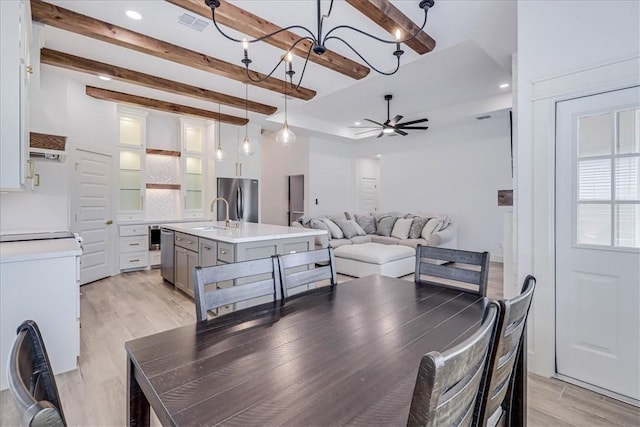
{"type": "Point", "coordinates": [389, 17]}
{"type": "Point", "coordinates": [76, 63]}
{"type": "Point", "coordinates": [154, 104]}
{"type": "Point", "coordinates": [68, 20]}
{"type": "Point", "coordinates": [247, 23]}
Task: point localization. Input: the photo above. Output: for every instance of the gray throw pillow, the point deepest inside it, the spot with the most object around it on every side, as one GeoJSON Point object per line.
{"type": "Point", "coordinates": [335, 231]}
{"type": "Point", "coordinates": [385, 225]}
{"type": "Point", "coordinates": [319, 225]}
{"type": "Point", "coordinates": [416, 227]}
{"type": "Point", "coordinates": [359, 229]}
{"type": "Point", "coordinates": [348, 230]}
{"type": "Point", "coordinates": [367, 222]}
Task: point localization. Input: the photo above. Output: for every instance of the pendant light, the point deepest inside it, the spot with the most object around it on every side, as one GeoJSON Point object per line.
{"type": "Point", "coordinates": [285, 136]}
{"type": "Point", "coordinates": [219, 152]}
{"type": "Point", "coordinates": [247, 147]}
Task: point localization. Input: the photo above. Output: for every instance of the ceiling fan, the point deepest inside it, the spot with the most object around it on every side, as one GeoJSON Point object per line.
{"type": "Point", "coordinates": [392, 127]}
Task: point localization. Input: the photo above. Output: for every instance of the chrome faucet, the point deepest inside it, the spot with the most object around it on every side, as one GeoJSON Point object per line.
{"type": "Point", "coordinates": [213, 205]}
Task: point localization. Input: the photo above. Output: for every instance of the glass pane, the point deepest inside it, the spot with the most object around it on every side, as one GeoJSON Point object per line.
{"type": "Point", "coordinates": [193, 139]}
{"type": "Point", "coordinates": [130, 180]}
{"type": "Point", "coordinates": [194, 165]}
{"type": "Point", "coordinates": [594, 179]}
{"type": "Point", "coordinates": [594, 224]}
{"type": "Point", "coordinates": [130, 200]}
{"type": "Point", "coordinates": [194, 182]}
{"type": "Point", "coordinates": [628, 226]}
{"type": "Point", "coordinates": [130, 160]}
{"type": "Point", "coordinates": [130, 132]}
{"type": "Point", "coordinates": [628, 132]}
{"type": "Point", "coordinates": [628, 178]}
{"type": "Point", "coordinates": [595, 135]}
{"type": "Point", "coordinates": [194, 200]}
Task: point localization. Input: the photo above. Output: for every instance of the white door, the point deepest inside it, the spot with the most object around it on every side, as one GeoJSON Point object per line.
{"type": "Point", "coordinates": [91, 214]}
{"type": "Point", "coordinates": [598, 241]}
{"type": "Point", "coordinates": [368, 194]}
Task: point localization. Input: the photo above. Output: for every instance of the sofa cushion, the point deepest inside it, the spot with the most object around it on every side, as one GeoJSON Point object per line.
{"type": "Point", "coordinates": [385, 240]}
{"type": "Point", "coordinates": [336, 243]}
{"type": "Point", "coordinates": [367, 222]}
{"type": "Point", "coordinates": [348, 230]}
{"type": "Point", "coordinates": [432, 225]}
{"type": "Point", "coordinates": [412, 243]}
{"type": "Point", "coordinates": [384, 225]}
{"type": "Point", "coordinates": [333, 228]}
{"type": "Point", "coordinates": [416, 227]}
{"type": "Point", "coordinates": [374, 253]}
{"type": "Point", "coordinates": [401, 228]}
{"type": "Point", "coordinates": [361, 239]}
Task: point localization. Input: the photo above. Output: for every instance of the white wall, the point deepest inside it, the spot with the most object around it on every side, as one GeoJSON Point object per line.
{"type": "Point", "coordinates": [277, 163]}
{"type": "Point", "coordinates": [556, 39]}
{"type": "Point", "coordinates": [456, 170]}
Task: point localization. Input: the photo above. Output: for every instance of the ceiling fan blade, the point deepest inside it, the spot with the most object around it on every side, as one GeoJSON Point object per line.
{"type": "Point", "coordinates": [366, 131]}
{"type": "Point", "coordinates": [380, 134]}
{"type": "Point", "coordinates": [371, 121]}
{"type": "Point", "coordinates": [413, 122]}
{"type": "Point", "coordinates": [413, 127]}
{"type": "Point", "coordinates": [364, 127]}
{"type": "Point", "coordinates": [400, 132]}
{"type": "Point", "coordinates": [395, 120]}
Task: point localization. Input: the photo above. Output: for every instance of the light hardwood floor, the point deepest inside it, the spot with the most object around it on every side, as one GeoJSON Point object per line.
{"type": "Point", "coordinates": [133, 305]}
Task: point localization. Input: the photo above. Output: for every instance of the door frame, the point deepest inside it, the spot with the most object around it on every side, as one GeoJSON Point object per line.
{"type": "Point", "coordinates": [545, 94]}
{"type": "Point", "coordinates": [73, 203]}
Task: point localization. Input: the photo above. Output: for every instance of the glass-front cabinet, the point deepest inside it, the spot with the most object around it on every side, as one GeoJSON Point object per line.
{"type": "Point", "coordinates": [132, 125]}
{"type": "Point", "coordinates": [193, 167]}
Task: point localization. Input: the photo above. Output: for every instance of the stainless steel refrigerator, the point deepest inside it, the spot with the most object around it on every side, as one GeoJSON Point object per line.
{"type": "Point", "coordinates": [242, 195]}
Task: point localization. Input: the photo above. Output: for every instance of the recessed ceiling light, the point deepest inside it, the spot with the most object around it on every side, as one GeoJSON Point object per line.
{"type": "Point", "coordinates": [378, 155]}
{"type": "Point", "coordinates": [356, 123]}
{"type": "Point", "coordinates": [504, 85]}
{"type": "Point", "coordinates": [105, 78]}
{"type": "Point", "coordinates": [134, 15]}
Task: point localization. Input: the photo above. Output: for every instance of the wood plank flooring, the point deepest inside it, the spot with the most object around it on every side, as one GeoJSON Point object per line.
{"type": "Point", "coordinates": [132, 305]}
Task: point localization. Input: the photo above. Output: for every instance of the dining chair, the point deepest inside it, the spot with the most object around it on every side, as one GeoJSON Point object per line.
{"type": "Point", "coordinates": [320, 265]}
{"type": "Point", "coordinates": [446, 390]}
{"type": "Point", "coordinates": [460, 268]}
{"type": "Point", "coordinates": [497, 391]}
{"type": "Point", "coordinates": [254, 279]}
{"type": "Point", "coordinates": [31, 380]}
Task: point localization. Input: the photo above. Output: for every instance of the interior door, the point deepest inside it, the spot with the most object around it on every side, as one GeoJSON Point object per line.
{"type": "Point", "coordinates": [296, 197]}
{"type": "Point", "coordinates": [598, 241]}
{"type": "Point", "coordinates": [91, 214]}
{"type": "Point", "coordinates": [368, 194]}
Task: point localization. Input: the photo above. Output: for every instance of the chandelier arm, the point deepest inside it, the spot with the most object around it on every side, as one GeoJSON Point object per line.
{"type": "Point", "coordinates": [364, 59]}
{"type": "Point", "coordinates": [304, 67]}
{"type": "Point", "coordinates": [348, 27]}
{"type": "Point", "coordinates": [259, 80]}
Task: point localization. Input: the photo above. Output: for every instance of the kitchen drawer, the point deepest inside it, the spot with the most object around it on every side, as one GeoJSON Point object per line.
{"type": "Point", "coordinates": [290, 248]}
{"type": "Point", "coordinates": [225, 252]}
{"type": "Point", "coordinates": [134, 260]}
{"type": "Point", "coordinates": [134, 230]}
{"type": "Point", "coordinates": [187, 241]}
{"type": "Point", "coordinates": [133, 244]}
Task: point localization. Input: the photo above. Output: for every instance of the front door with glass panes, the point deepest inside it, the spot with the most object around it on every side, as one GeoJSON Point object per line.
{"type": "Point", "coordinates": [598, 241]}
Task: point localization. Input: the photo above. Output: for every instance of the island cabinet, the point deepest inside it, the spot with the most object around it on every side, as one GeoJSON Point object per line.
{"type": "Point", "coordinates": [186, 259]}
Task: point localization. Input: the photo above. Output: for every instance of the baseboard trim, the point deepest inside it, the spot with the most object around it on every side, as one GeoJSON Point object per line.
{"type": "Point", "coordinates": [598, 390]}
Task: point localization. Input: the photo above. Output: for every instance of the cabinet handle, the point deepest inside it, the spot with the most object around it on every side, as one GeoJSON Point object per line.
{"type": "Point", "coordinates": [109, 222]}
{"type": "Point", "coordinates": [134, 260]}
{"type": "Point", "coordinates": [207, 248]}
{"type": "Point", "coordinates": [223, 252]}
{"type": "Point", "coordinates": [179, 239]}
{"type": "Point", "coordinates": [189, 242]}
{"type": "Point", "coordinates": [134, 244]}
{"type": "Point", "coordinates": [29, 69]}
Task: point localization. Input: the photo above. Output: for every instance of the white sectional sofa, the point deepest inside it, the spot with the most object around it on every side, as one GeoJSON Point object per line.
{"type": "Point", "coordinates": [389, 228]}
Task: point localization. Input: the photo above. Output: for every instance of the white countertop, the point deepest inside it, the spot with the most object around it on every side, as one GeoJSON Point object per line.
{"type": "Point", "coordinates": [38, 249]}
{"type": "Point", "coordinates": [247, 232]}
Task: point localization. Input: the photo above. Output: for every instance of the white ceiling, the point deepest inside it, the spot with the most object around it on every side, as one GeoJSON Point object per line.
{"type": "Point", "coordinates": [475, 41]}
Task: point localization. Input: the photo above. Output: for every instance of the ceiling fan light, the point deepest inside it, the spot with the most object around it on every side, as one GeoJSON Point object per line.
{"type": "Point", "coordinates": [387, 130]}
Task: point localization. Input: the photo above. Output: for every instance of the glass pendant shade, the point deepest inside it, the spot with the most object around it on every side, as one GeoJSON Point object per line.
{"type": "Point", "coordinates": [246, 149]}
{"type": "Point", "coordinates": [219, 154]}
{"type": "Point", "coordinates": [285, 136]}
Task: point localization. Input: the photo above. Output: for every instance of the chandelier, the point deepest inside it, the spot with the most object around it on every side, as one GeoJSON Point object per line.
{"type": "Point", "coordinates": [318, 41]}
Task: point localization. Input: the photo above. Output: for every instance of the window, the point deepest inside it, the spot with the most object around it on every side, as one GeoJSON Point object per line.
{"type": "Point", "coordinates": [608, 179]}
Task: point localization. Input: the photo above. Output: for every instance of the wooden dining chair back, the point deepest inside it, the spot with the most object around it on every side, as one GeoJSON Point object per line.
{"type": "Point", "coordinates": [498, 388]}
{"type": "Point", "coordinates": [31, 380]}
{"type": "Point", "coordinates": [452, 268]}
{"type": "Point", "coordinates": [319, 265]}
{"type": "Point", "coordinates": [254, 279]}
{"type": "Point", "coordinates": [446, 390]}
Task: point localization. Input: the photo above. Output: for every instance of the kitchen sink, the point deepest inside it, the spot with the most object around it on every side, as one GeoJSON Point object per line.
{"type": "Point", "coordinates": [208, 228]}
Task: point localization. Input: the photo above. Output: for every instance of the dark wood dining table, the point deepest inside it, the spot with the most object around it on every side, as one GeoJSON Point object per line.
{"type": "Point", "coordinates": [347, 355]}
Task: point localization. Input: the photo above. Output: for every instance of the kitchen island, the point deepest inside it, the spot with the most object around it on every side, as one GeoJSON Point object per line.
{"type": "Point", "coordinates": [212, 243]}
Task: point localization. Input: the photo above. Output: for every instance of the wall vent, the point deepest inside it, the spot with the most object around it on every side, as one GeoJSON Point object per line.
{"type": "Point", "coordinates": [484, 117]}
{"type": "Point", "coordinates": [192, 22]}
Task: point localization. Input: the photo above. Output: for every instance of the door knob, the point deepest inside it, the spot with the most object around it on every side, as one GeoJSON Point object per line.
{"type": "Point", "coordinates": [109, 222]}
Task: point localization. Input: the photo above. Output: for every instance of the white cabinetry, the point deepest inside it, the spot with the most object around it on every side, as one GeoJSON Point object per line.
{"type": "Point", "coordinates": [15, 69]}
{"type": "Point", "coordinates": [132, 126]}
{"type": "Point", "coordinates": [134, 247]}
{"type": "Point", "coordinates": [193, 167]}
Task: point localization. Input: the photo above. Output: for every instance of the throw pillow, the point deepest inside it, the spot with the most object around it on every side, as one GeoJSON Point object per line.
{"type": "Point", "coordinates": [317, 224]}
{"type": "Point", "coordinates": [416, 227]}
{"type": "Point", "coordinates": [335, 231]}
{"type": "Point", "coordinates": [385, 225]}
{"type": "Point", "coordinates": [367, 222]}
{"type": "Point", "coordinates": [432, 225]}
{"type": "Point", "coordinates": [348, 230]}
{"type": "Point", "coordinates": [446, 220]}
{"type": "Point", "coordinates": [359, 229]}
{"type": "Point", "coordinates": [401, 228]}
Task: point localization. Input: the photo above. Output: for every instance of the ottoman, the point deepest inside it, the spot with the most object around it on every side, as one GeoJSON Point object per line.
{"type": "Point", "coordinates": [375, 258]}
